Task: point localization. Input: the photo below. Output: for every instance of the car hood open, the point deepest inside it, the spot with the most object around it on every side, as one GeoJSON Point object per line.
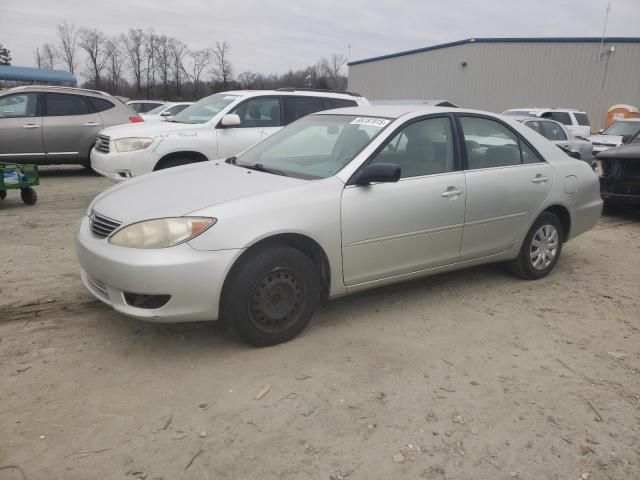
{"type": "Point", "coordinates": [175, 192]}
{"type": "Point", "coordinates": [150, 129]}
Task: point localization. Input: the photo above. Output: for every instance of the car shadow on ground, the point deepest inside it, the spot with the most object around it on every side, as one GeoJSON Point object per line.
{"type": "Point", "coordinates": [53, 171]}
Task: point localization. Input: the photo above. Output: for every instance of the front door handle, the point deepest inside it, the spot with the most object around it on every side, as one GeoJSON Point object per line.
{"type": "Point", "coordinates": [31, 125]}
{"type": "Point", "coordinates": [539, 178]}
{"type": "Point", "coordinates": [91, 124]}
{"type": "Point", "coordinates": [451, 192]}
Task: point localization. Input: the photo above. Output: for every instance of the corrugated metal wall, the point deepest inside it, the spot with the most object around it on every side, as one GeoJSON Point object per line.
{"type": "Point", "coordinates": [499, 76]}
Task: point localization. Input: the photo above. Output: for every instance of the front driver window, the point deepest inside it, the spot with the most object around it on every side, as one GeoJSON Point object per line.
{"type": "Point", "coordinates": [259, 112]}
{"type": "Point", "coordinates": [421, 148]}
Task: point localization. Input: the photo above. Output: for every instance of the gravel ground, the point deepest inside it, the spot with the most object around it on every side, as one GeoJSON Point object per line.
{"type": "Point", "coordinates": [467, 375]}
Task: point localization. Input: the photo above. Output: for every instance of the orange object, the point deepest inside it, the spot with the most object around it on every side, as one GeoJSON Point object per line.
{"type": "Point", "coordinates": [620, 112]}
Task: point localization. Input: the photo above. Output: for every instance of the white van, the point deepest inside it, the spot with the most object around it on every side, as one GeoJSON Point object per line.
{"type": "Point", "coordinates": [218, 126]}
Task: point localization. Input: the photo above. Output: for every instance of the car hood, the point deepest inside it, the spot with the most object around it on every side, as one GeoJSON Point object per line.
{"type": "Point", "coordinates": [151, 129]}
{"type": "Point", "coordinates": [628, 151]}
{"type": "Point", "coordinates": [607, 139]}
{"type": "Point", "coordinates": [178, 191]}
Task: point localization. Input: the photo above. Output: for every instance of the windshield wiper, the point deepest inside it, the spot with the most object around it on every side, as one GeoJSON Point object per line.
{"type": "Point", "coordinates": [231, 160]}
{"type": "Point", "coordinates": [261, 168]}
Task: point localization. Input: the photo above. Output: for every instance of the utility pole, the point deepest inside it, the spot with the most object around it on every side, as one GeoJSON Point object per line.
{"type": "Point", "coordinates": [604, 29]}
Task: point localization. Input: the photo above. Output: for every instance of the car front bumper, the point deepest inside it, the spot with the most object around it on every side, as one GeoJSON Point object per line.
{"type": "Point", "coordinates": [193, 279]}
{"type": "Point", "coordinates": [118, 166]}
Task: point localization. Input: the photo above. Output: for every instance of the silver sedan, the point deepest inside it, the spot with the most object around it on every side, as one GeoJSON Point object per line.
{"type": "Point", "coordinates": [559, 134]}
{"type": "Point", "coordinates": [337, 202]}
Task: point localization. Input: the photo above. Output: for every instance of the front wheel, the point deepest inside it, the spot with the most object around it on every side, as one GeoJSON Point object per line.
{"type": "Point", "coordinates": [541, 248]}
{"type": "Point", "coordinates": [173, 162]}
{"type": "Point", "coordinates": [29, 195]}
{"type": "Point", "coordinates": [271, 295]}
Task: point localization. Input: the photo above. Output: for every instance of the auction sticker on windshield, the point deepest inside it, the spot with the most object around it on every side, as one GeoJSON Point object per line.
{"type": "Point", "coordinates": [371, 121]}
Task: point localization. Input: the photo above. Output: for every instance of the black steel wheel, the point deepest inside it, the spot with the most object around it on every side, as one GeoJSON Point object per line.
{"type": "Point", "coordinates": [29, 195]}
{"type": "Point", "coordinates": [271, 295]}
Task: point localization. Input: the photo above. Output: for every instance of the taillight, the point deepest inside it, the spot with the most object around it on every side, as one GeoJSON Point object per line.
{"type": "Point", "coordinates": [136, 119]}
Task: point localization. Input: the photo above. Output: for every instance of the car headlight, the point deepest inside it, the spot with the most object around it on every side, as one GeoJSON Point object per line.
{"type": "Point", "coordinates": [161, 232]}
{"type": "Point", "coordinates": [132, 144]}
{"type": "Point", "coordinates": [597, 167]}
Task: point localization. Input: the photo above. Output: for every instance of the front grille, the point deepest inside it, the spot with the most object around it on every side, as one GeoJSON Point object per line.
{"type": "Point", "coordinates": [100, 287]}
{"type": "Point", "coordinates": [102, 143]}
{"type": "Point", "coordinates": [102, 226]}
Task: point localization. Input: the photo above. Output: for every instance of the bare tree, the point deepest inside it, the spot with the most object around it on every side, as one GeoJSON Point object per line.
{"type": "Point", "coordinates": [133, 49]}
{"type": "Point", "coordinates": [332, 69]}
{"type": "Point", "coordinates": [163, 61]}
{"type": "Point", "coordinates": [200, 60]}
{"type": "Point", "coordinates": [248, 79]}
{"type": "Point", "coordinates": [49, 55]}
{"type": "Point", "coordinates": [93, 42]}
{"type": "Point", "coordinates": [178, 52]}
{"type": "Point", "coordinates": [222, 69]}
{"type": "Point", "coordinates": [115, 64]}
{"type": "Point", "coordinates": [68, 37]}
{"type": "Point", "coordinates": [5, 55]}
{"type": "Point", "coordinates": [150, 45]}
{"type": "Point", "coordinates": [37, 57]}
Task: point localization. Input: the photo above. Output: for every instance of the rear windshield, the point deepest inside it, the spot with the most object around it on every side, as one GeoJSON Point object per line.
{"type": "Point", "coordinates": [623, 129]}
{"type": "Point", "coordinates": [582, 119]}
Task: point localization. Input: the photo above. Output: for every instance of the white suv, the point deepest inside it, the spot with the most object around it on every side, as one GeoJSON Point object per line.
{"type": "Point", "coordinates": [218, 126]}
{"type": "Point", "coordinates": [576, 121]}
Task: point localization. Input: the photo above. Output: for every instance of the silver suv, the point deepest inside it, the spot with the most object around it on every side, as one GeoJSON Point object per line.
{"type": "Point", "coordinates": [56, 125]}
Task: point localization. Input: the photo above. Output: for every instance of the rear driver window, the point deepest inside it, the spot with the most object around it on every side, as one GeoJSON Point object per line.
{"type": "Point", "coordinates": [61, 105]}
{"type": "Point", "coordinates": [99, 104]}
{"type": "Point", "coordinates": [490, 144]}
{"type": "Point", "coordinates": [298, 107]}
{"type": "Point", "coordinates": [582, 119]}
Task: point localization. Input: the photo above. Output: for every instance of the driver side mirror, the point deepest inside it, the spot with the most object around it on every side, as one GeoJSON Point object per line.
{"type": "Point", "coordinates": [601, 130]}
{"type": "Point", "coordinates": [378, 172]}
{"type": "Point", "coordinates": [165, 114]}
{"type": "Point", "coordinates": [231, 120]}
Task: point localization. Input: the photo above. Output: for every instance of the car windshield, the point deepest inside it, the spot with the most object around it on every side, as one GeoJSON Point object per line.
{"type": "Point", "coordinates": [623, 129]}
{"type": "Point", "coordinates": [156, 110]}
{"type": "Point", "coordinates": [316, 146]}
{"type": "Point", "coordinates": [205, 109]}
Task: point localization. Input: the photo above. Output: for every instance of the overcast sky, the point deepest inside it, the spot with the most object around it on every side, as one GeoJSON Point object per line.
{"type": "Point", "coordinates": [274, 36]}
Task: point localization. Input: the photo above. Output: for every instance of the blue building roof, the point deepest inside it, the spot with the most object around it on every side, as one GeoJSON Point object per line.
{"type": "Point", "coordinates": [27, 74]}
{"type": "Point", "coordinates": [503, 40]}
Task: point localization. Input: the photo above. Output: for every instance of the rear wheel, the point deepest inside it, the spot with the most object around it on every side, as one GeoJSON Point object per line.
{"type": "Point", "coordinates": [173, 162]}
{"type": "Point", "coordinates": [29, 195]}
{"type": "Point", "coordinates": [271, 295]}
{"type": "Point", "coordinates": [541, 248]}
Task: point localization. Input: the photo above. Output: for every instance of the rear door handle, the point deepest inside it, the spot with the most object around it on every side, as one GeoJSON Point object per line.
{"type": "Point", "coordinates": [31, 125]}
{"type": "Point", "coordinates": [451, 192]}
{"type": "Point", "coordinates": [91, 124]}
{"type": "Point", "coordinates": [539, 178]}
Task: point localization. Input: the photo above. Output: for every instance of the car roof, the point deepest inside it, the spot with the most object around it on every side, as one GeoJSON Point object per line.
{"type": "Point", "coordinates": [541, 110]}
{"type": "Point", "coordinates": [145, 101]}
{"type": "Point", "coordinates": [628, 120]}
{"type": "Point", "coordinates": [56, 89]}
{"type": "Point", "coordinates": [525, 118]}
{"type": "Point", "coordinates": [397, 111]}
{"type": "Point", "coordinates": [292, 91]}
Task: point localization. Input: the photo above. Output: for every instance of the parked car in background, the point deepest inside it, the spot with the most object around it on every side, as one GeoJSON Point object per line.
{"type": "Point", "coordinates": [616, 134]}
{"type": "Point", "coordinates": [165, 112]}
{"type": "Point", "coordinates": [218, 126]}
{"type": "Point", "coordinates": [144, 106]}
{"type": "Point", "coordinates": [56, 125]}
{"type": "Point", "coordinates": [619, 172]}
{"type": "Point", "coordinates": [557, 133]}
{"type": "Point", "coordinates": [335, 203]}
{"type": "Point", "coordinates": [576, 121]}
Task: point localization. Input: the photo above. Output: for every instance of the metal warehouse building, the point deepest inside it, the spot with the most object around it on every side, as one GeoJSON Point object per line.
{"type": "Point", "coordinates": [496, 74]}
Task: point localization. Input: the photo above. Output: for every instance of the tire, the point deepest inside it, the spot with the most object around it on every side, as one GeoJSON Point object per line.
{"type": "Point", "coordinates": [173, 162]}
{"type": "Point", "coordinates": [271, 295]}
{"type": "Point", "coordinates": [29, 195]}
{"type": "Point", "coordinates": [532, 262]}
{"type": "Point", "coordinates": [3, 194]}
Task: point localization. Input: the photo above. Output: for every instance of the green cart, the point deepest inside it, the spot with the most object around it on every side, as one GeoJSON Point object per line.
{"type": "Point", "coordinates": [23, 177]}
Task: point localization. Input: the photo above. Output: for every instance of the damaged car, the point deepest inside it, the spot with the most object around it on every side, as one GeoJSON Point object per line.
{"type": "Point", "coordinates": [619, 172]}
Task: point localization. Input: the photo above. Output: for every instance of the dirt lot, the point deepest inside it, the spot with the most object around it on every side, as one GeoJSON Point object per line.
{"type": "Point", "coordinates": [469, 375]}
